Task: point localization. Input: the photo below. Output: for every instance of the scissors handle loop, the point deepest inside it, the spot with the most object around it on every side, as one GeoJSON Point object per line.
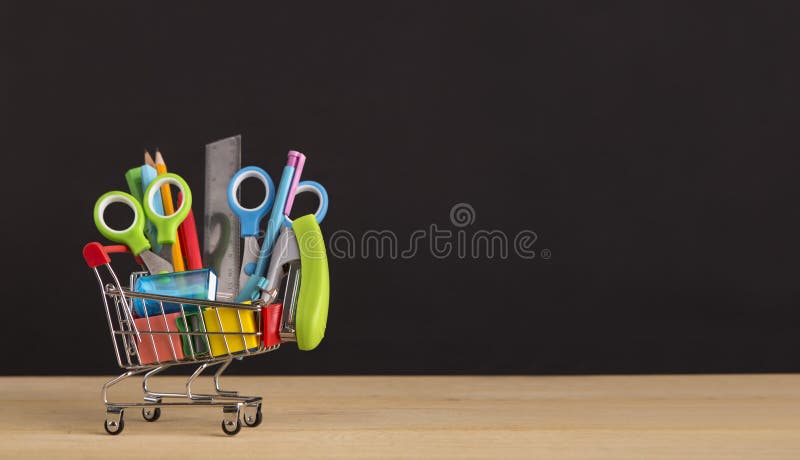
{"type": "Point", "coordinates": [167, 226]}
{"type": "Point", "coordinates": [250, 217]}
{"type": "Point", "coordinates": [322, 194]}
{"type": "Point", "coordinates": [133, 236]}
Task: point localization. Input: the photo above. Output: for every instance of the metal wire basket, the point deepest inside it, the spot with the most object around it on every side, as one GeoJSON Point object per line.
{"type": "Point", "coordinates": [182, 331]}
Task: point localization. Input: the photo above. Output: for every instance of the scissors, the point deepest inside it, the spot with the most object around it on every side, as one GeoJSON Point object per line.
{"type": "Point", "coordinates": [133, 236]}
{"type": "Point", "coordinates": [250, 218]}
{"type": "Point", "coordinates": [255, 258]}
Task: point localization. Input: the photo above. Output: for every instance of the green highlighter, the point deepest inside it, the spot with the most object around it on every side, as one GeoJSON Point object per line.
{"type": "Point", "coordinates": [134, 179]}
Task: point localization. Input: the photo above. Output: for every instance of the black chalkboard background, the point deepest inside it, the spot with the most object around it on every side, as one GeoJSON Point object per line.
{"type": "Point", "coordinates": [652, 147]}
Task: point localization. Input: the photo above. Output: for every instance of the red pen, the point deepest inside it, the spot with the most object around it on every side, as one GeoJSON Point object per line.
{"type": "Point", "coordinates": [190, 247]}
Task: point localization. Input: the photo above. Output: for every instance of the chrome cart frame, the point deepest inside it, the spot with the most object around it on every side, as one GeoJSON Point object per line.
{"type": "Point", "coordinates": [132, 343]}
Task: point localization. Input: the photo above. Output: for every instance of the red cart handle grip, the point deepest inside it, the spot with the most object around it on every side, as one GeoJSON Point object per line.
{"type": "Point", "coordinates": [95, 254]}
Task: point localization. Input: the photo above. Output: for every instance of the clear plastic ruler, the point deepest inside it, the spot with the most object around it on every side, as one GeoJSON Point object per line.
{"type": "Point", "coordinates": [221, 236]}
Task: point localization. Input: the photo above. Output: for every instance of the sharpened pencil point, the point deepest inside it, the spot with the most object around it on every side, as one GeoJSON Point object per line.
{"type": "Point", "coordinates": [159, 158]}
{"type": "Point", "coordinates": [148, 160]}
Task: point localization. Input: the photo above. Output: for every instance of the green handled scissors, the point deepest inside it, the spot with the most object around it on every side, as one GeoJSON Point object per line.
{"type": "Point", "coordinates": [133, 236]}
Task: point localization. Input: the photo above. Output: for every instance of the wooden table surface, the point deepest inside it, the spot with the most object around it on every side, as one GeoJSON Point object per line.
{"type": "Point", "coordinates": [602, 417]}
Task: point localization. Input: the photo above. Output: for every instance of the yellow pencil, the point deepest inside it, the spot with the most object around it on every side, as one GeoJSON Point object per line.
{"type": "Point", "coordinates": [166, 197]}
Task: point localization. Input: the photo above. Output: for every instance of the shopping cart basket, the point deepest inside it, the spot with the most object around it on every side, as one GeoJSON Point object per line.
{"type": "Point", "coordinates": [203, 333]}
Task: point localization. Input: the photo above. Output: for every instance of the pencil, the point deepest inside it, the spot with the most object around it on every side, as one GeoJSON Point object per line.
{"type": "Point", "coordinates": [148, 160]}
{"type": "Point", "coordinates": [166, 197]}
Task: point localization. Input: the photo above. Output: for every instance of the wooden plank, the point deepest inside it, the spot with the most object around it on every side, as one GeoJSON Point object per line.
{"type": "Point", "coordinates": [608, 417]}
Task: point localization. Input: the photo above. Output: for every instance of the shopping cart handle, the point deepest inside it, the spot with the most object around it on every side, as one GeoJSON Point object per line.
{"type": "Point", "coordinates": [95, 254]}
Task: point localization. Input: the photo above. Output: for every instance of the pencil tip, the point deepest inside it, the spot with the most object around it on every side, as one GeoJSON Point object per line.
{"type": "Point", "coordinates": [159, 158]}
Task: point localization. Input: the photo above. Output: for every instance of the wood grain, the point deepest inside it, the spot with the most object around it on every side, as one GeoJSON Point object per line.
{"type": "Point", "coordinates": [619, 417]}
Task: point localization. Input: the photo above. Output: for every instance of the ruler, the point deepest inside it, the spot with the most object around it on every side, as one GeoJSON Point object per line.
{"type": "Point", "coordinates": [221, 236]}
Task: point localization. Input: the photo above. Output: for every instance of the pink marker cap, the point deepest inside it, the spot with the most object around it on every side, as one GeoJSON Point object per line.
{"type": "Point", "coordinates": [297, 160]}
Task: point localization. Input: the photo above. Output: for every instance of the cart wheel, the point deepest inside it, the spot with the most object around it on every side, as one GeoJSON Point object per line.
{"type": "Point", "coordinates": [230, 427]}
{"type": "Point", "coordinates": [151, 415]}
{"type": "Point", "coordinates": [114, 427]}
{"type": "Point", "coordinates": [252, 421]}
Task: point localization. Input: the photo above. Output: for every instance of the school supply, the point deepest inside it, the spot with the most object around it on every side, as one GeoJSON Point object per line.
{"type": "Point", "coordinates": [190, 246]}
{"type": "Point", "coordinates": [157, 347]}
{"type": "Point", "coordinates": [166, 198]}
{"type": "Point", "coordinates": [271, 316]}
{"type": "Point", "coordinates": [284, 252]}
{"type": "Point", "coordinates": [147, 174]}
{"type": "Point", "coordinates": [298, 160]}
{"type": "Point", "coordinates": [133, 236]}
{"type": "Point", "coordinates": [322, 195]}
{"type": "Point", "coordinates": [134, 179]}
{"type": "Point", "coordinates": [311, 315]}
{"type": "Point", "coordinates": [148, 160]}
{"type": "Point", "coordinates": [221, 237]}
{"type": "Point", "coordinates": [193, 284]}
{"type": "Point", "coordinates": [250, 219]}
{"type": "Point", "coordinates": [195, 345]}
{"type": "Point", "coordinates": [255, 281]}
{"type": "Point", "coordinates": [240, 330]}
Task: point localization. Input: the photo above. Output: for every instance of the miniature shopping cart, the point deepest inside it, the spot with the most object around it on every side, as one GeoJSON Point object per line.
{"type": "Point", "coordinates": [203, 333]}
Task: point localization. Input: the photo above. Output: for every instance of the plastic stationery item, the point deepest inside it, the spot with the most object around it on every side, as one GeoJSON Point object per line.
{"type": "Point", "coordinates": [134, 179]}
{"type": "Point", "coordinates": [188, 236]}
{"type": "Point", "coordinates": [271, 315]}
{"type": "Point", "coordinates": [322, 195]}
{"type": "Point", "coordinates": [194, 346]}
{"type": "Point", "coordinates": [250, 218]}
{"type": "Point", "coordinates": [312, 303]}
{"type": "Point", "coordinates": [167, 226]}
{"type": "Point", "coordinates": [235, 321]}
{"type": "Point", "coordinates": [252, 279]}
{"type": "Point", "coordinates": [297, 160]}
{"type": "Point", "coordinates": [133, 236]}
{"type": "Point", "coordinates": [221, 236]}
{"type": "Point", "coordinates": [148, 174]}
{"type": "Point", "coordinates": [194, 284]}
{"type": "Point", "coordinates": [156, 348]}
{"type": "Point", "coordinates": [248, 288]}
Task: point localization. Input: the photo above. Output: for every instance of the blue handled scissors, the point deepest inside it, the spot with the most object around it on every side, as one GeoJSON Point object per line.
{"type": "Point", "coordinates": [250, 218]}
{"type": "Point", "coordinates": [255, 257]}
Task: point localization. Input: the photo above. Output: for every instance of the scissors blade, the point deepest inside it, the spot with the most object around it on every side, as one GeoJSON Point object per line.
{"type": "Point", "coordinates": [291, 293]}
{"type": "Point", "coordinates": [284, 251]}
{"type": "Point", "coordinates": [250, 253]}
{"type": "Point", "coordinates": [154, 263]}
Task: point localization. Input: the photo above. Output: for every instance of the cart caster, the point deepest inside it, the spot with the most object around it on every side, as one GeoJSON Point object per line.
{"type": "Point", "coordinates": [150, 414]}
{"type": "Point", "coordinates": [114, 423]}
{"type": "Point", "coordinates": [230, 422]}
{"type": "Point", "coordinates": [252, 420]}
{"type": "Point", "coordinates": [231, 427]}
